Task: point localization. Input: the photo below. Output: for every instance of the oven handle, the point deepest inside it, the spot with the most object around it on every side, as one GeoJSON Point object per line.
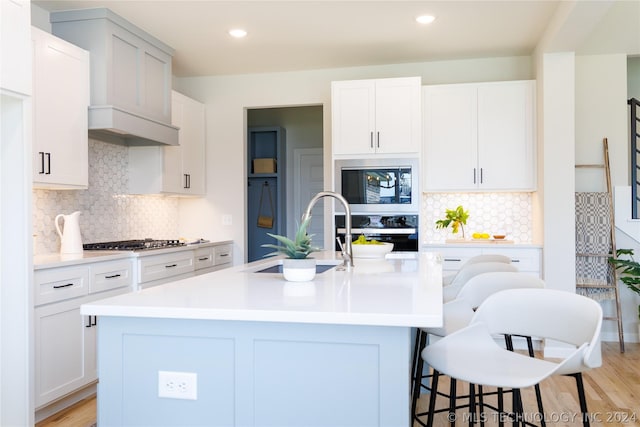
{"type": "Point", "coordinates": [379, 231]}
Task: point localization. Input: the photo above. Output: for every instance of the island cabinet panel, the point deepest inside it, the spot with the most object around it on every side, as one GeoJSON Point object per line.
{"type": "Point", "coordinates": [479, 137]}
{"type": "Point", "coordinates": [254, 373]}
{"type": "Point", "coordinates": [378, 116]}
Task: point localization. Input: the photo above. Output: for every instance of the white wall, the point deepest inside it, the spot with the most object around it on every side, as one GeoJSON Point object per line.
{"type": "Point", "coordinates": [633, 77]}
{"type": "Point", "coordinates": [558, 136]}
{"type": "Point", "coordinates": [227, 97]}
{"type": "Point", "coordinates": [601, 112]}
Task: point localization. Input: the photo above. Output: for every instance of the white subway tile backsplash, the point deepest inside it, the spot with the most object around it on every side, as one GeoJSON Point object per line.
{"type": "Point", "coordinates": [108, 213]}
{"type": "Point", "coordinates": [509, 213]}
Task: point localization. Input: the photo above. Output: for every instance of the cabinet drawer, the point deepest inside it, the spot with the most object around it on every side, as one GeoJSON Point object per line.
{"type": "Point", "coordinates": [164, 266]}
{"type": "Point", "coordinates": [524, 259]}
{"type": "Point", "coordinates": [223, 254]}
{"type": "Point", "coordinates": [203, 257]}
{"type": "Point", "coordinates": [111, 275]}
{"type": "Point", "coordinates": [58, 284]}
{"type": "Point", "coordinates": [454, 258]}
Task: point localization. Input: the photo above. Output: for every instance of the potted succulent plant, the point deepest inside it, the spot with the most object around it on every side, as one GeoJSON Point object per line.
{"type": "Point", "coordinates": [297, 266]}
{"type": "Point", "coordinates": [457, 218]}
{"type": "Point", "coordinates": [629, 270]}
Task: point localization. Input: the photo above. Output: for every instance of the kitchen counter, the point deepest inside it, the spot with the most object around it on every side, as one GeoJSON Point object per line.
{"type": "Point", "coordinates": [52, 260]}
{"type": "Point", "coordinates": [63, 260]}
{"type": "Point", "coordinates": [391, 292]}
{"type": "Point", "coordinates": [269, 352]}
{"type": "Point", "coordinates": [479, 244]}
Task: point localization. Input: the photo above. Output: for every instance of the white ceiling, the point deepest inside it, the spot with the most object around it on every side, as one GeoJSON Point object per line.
{"type": "Point", "coordinates": [303, 35]}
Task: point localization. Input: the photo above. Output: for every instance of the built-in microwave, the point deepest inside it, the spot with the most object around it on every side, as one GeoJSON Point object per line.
{"type": "Point", "coordinates": [379, 185]}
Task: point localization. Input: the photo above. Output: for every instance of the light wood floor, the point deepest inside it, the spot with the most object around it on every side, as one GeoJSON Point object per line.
{"type": "Point", "coordinates": [613, 397]}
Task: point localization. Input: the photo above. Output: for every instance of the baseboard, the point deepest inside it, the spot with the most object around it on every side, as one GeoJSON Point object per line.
{"type": "Point", "coordinates": [64, 402]}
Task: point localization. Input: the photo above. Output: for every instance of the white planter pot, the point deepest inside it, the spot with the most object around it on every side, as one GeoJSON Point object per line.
{"type": "Point", "coordinates": [299, 270]}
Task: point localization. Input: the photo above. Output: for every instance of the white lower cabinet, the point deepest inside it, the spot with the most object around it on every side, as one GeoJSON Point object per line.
{"type": "Point", "coordinates": [155, 270]}
{"type": "Point", "coordinates": [526, 259]}
{"type": "Point", "coordinates": [212, 258]}
{"type": "Point", "coordinates": [65, 341]}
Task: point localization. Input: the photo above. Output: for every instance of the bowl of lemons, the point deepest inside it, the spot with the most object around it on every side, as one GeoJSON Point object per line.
{"type": "Point", "coordinates": [363, 248]}
{"type": "Point", "coordinates": [480, 236]}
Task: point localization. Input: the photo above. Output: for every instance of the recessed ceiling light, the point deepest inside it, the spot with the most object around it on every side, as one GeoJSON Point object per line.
{"type": "Point", "coordinates": [238, 33]}
{"type": "Point", "coordinates": [425, 19]}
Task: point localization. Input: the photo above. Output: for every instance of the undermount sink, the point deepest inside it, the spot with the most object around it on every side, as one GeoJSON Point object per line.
{"type": "Point", "coordinates": [320, 268]}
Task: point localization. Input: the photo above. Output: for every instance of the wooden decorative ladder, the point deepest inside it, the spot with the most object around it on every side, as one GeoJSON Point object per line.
{"type": "Point", "coordinates": [612, 276]}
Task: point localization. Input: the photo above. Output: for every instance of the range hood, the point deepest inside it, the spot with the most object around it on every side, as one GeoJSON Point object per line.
{"type": "Point", "coordinates": [108, 122]}
{"type": "Point", "coordinates": [130, 76]}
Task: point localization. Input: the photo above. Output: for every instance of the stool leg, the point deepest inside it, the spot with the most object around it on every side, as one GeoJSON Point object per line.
{"type": "Point", "coordinates": [432, 397]}
{"type": "Point", "coordinates": [582, 399]}
{"type": "Point", "coordinates": [416, 354]}
{"type": "Point", "coordinates": [421, 341]}
{"type": "Point", "coordinates": [472, 404]}
{"type": "Point", "coordinates": [537, 386]}
{"type": "Point", "coordinates": [500, 407]}
{"type": "Point", "coordinates": [518, 409]}
{"type": "Point", "coordinates": [452, 402]}
{"type": "Point", "coordinates": [481, 402]}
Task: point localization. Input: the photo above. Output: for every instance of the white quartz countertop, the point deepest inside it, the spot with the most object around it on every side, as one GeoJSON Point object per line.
{"type": "Point", "coordinates": [53, 260]}
{"type": "Point", "coordinates": [481, 244]}
{"type": "Point", "coordinates": [403, 290]}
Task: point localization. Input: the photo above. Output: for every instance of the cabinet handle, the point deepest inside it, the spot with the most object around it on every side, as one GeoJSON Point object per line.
{"type": "Point", "coordinates": [474, 175]}
{"type": "Point", "coordinates": [112, 276]}
{"type": "Point", "coordinates": [91, 323]}
{"type": "Point", "coordinates": [203, 259]}
{"type": "Point", "coordinates": [515, 260]}
{"type": "Point", "coordinates": [221, 255]}
{"type": "Point", "coordinates": [481, 179]}
{"type": "Point", "coordinates": [62, 286]}
{"type": "Point", "coordinates": [378, 140]}
{"type": "Point", "coordinates": [171, 265]}
{"type": "Point", "coordinates": [41, 153]}
{"type": "Point", "coordinates": [453, 259]}
{"type": "Point", "coordinates": [187, 180]}
{"type": "Point", "coordinates": [371, 139]}
{"type": "Point", "coordinates": [48, 163]}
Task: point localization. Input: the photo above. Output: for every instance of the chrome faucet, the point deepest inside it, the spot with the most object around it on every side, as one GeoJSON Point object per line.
{"type": "Point", "coordinates": [347, 254]}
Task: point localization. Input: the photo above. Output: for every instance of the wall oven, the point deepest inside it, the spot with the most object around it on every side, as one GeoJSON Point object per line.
{"type": "Point", "coordinates": [401, 230]}
{"type": "Point", "coordinates": [379, 186]}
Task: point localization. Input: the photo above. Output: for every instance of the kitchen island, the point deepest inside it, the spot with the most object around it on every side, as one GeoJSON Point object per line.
{"type": "Point", "coordinates": [332, 352]}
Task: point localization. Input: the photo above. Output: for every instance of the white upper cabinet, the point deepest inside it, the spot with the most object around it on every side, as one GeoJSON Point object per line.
{"type": "Point", "coordinates": [15, 43]}
{"type": "Point", "coordinates": [479, 137]}
{"type": "Point", "coordinates": [60, 102]}
{"type": "Point", "coordinates": [380, 116]}
{"type": "Point", "coordinates": [178, 170]}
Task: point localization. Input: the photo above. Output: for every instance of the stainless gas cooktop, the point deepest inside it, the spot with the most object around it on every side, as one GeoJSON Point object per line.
{"type": "Point", "coordinates": [132, 245]}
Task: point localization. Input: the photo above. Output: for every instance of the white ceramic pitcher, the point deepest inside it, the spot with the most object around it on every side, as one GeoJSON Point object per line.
{"type": "Point", "coordinates": [71, 240]}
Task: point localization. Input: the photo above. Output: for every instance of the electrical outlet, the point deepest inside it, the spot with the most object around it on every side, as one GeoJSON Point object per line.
{"type": "Point", "coordinates": [178, 385]}
{"type": "Point", "coordinates": [227, 220]}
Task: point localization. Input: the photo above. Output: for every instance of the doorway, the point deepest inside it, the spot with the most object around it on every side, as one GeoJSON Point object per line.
{"type": "Point", "coordinates": [302, 170]}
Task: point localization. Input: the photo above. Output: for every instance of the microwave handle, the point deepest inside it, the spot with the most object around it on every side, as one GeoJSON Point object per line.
{"type": "Point", "coordinates": [378, 231]}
